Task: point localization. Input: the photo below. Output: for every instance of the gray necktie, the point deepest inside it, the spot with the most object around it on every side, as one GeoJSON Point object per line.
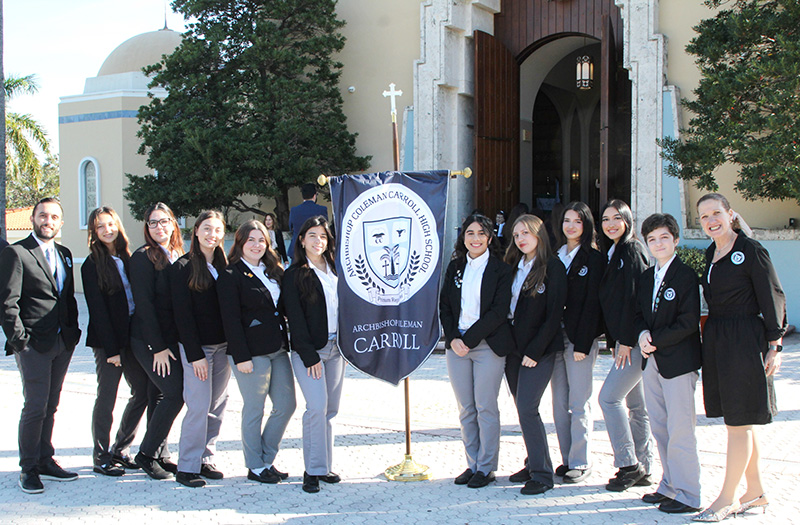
{"type": "Point", "coordinates": [51, 258]}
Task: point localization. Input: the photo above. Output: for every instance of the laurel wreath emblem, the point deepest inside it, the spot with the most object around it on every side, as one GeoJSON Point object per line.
{"type": "Point", "coordinates": [363, 275]}
{"type": "Point", "coordinates": [413, 268]}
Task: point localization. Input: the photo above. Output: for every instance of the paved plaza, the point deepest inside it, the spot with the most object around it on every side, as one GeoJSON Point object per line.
{"type": "Point", "coordinates": [370, 438]}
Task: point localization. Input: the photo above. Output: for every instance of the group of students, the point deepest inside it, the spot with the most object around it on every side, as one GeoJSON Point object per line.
{"type": "Point", "coordinates": [535, 315]}
{"type": "Point", "coordinates": [176, 324]}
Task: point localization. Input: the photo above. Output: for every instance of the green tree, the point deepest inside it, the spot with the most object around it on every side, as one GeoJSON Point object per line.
{"type": "Point", "coordinates": [747, 106]}
{"type": "Point", "coordinates": [24, 139]}
{"type": "Point", "coordinates": [253, 107]}
{"type": "Point", "coordinates": [27, 189]}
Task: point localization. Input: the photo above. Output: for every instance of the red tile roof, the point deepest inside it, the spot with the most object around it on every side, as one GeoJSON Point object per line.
{"type": "Point", "coordinates": [19, 218]}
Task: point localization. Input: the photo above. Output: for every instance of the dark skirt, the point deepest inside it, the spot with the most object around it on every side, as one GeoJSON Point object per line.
{"type": "Point", "coordinates": [735, 385]}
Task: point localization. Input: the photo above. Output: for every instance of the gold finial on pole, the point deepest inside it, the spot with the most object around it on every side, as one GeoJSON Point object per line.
{"type": "Point", "coordinates": [322, 180]}
{"type": "Point", "coordinates": [466, 172]}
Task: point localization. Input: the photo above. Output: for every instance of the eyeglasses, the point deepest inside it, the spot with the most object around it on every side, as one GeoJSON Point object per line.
{"type": "Point", "coordinates": [155, 224]}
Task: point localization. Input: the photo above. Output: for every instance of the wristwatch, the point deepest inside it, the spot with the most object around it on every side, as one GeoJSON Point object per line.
{"type": "Point", "coordinates": [777, 348]}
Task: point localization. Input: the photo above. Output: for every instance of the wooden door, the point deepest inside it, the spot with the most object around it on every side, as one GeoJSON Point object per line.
{"type": "Point", "coordinates": [496, 129]}
{"type": "Point", "coordinates": [608, 83]}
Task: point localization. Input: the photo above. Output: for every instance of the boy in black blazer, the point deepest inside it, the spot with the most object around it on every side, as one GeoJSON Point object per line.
{"type": "Point", "coordinates": [40, 320]}
{"type": "Point", "coordinates": [668, 322]}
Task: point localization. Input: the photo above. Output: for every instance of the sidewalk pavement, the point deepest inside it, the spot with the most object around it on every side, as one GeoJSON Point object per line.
{"type": "Point", "coordinates": [369, 438]}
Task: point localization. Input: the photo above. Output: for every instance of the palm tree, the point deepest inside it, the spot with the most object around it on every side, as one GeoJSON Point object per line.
{"type": "Point", "coordinates": [23, 133]}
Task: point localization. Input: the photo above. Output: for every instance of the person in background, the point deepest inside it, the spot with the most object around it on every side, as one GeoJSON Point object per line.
{"type": "Point", "coordinates": [499, 223]}
{"type": "Point", "coordinates": [252, 315]}
{"type": "Point", "coordinates": [312, 307]}
{"type": "Point", "coordinates": [473, 308]}
{"type": "Point", "coordinates": [742, 344]}
{"type": "Point", "coordinates": [40, 321]}
{"type": "Point", "coordinates": [203, 348]}
{"type": "Point", "coordinates": [668, 323]}
{"type": "Point", "coordinates": [154, 336]}
{"type": "Point", "coordinates": [276, 237]}
{"type": "Point", "coordinates": [304, 211]}
{"type": "Point", "coordinates": [107, 290]}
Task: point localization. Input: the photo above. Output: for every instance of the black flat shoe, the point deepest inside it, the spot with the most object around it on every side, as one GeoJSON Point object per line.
{"type": "Point", "coordinates": [480, 480]}
{"type": "Point", "coordinates": [464, 477]}
{"type": "Point", "coordinates": [626, 478]}
{"type": "Point", "coordinates": [208, 470]}
{"type": "Point", "coordinates": [152, 467]}
{"type": "Point", "coordinates": [534, 487]}
{"type": "Point", "coordinates": [167, 465]}
{"type": "Point", "coordinates": [282, 475]}
{"type": "Point", "coordinates": [52, 471]}
{"type": "Point", "coordinates": [520, 476]}
{"type": "Point", "coordinates": [655, 497]}
{"type": "Point", "coordinates": [109, 469]}
{"type": "Point", "coordinates": [676, 507]}
{"type": "Point", "coordinates": [124, 461]}
{"type": "Point", "coordinates": [330, 477]}
{"type": "Point", "coordinates": [29, 482]}
{"type": "Point", "coordinates": [190, 479]}
{"type": "Point", "coordinates": [310, 483]}
{"type": "Point", "coordinates": [266, 476]}
{"type": "Point", "coordinates": [561, 470]}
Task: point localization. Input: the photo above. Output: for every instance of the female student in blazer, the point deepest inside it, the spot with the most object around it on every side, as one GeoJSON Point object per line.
{"type": "Point", "coordinates": [742, 341]}
{"type": "Point", "coordinates": [539, 291]}
{"type": "Point", "coordinates": [572, 372]}
{"type": "Point", "coordinates": [154, 336]}
{"type": "Point", "coordinates": [312, 307]}
{"type": "Point", "coordinates": [630, 436]}
{"type": "Point", "coordinates": [249, 293]}
{"type": "Point", "coordinates": [110, 301]}
{"type": "Point", "coordinates": [473, 307]}
{"type": "Point", "coordinates": [203, 348]}
{"type": "Point", "coordinates": [276, 237]}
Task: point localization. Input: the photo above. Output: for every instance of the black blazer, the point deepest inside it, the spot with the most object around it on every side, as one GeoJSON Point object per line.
{"type": "Point", "coordinates": [537, 318]}
{"type": "Point", "coordinates": [253, 326]}
{"type": "Point", "coordinates": [153, 321]}
{"type": "Point", "coordinates": [493, 323]}
{"type": "Point", "coordinates": [33, 310]}
{"type": "Point", "coordinates": [280, 246]}
{"type": "Point", "coordinates": [582, 318]}
{"type": "Point", "coordinates": [109, 322]}
{"type": "Point", "coordinates": [308, 321]}
{"type": "Point", "coordinates": [618, 291]}
{"type": "Point", "coordinates": [197, 314]}
{"type": "Point", "coordinates": [675, 325]}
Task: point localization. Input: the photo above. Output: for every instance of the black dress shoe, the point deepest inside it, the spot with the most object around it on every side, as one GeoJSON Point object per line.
{"type": "Point", "coordinates": [124, 461]}
{"type": "Point", "coordinates": [310, 483]}
{"type": "Point", "coordinates": [53, 472]}
{"type": "Point", "coordinates": [30, 483]}
{"type": "Point", "coordinates": [109, 469]}
{"type": "Point", "coordinates": [266, 476]}
{"type": "Point", "coordinates": [520, 476]}
{"type": "Point", "coordinates": [152, 467]}
{"type": "Point", "coordinates": [168, 465]}
{"type": "Point", "coordinates": [282, 475]}
{"type": "Point", "coordinates": [208, 470]}
{"type": "Point", "coordinates": [655, 497]}
{"type": "Point", "coordinates": [479, 480]}
{"type": "Point", "coordinates": [646, 481]}
{"type": "Point", "coordinates": [561, 470]}
{"type": "Point", "coordinates": [676, 507]}
{"type": "Point", "coordinates": [534, 487]}
{"type": "Point", "coordinates": [626, 478]}
{"type": "Point", "coordinates": [464, 477]}
{"type": "Point", "coordinates": [190, 479]}
{"type": "Point", "coordinates": [330, 477]}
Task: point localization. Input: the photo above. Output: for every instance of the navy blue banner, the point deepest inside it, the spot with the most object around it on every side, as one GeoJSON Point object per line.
{"type": "Point", "coordinates": [390, 229]}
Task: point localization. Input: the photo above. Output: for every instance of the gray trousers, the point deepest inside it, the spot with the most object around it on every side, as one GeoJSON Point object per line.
{"type": "Point", "coordinates": [670, 403]}
{"type": "Point", "coordinates": [271, 376]}
{"type": "Point", "coordinates": [628, 428]}
{"type": "Point", "coordinates": [476, 380]}
{"type": "Point", "coordinates": [322, 404]}
{"type": "Point", "coordinates": [571, 387]}
{"type": "Point", "coordinates": [205, 406]}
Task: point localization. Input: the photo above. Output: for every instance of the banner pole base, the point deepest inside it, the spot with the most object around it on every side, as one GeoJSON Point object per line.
{"type": "Point", "coordinates": [408, 470]}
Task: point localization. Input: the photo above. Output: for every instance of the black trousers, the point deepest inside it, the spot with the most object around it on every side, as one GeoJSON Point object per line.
{"type": "Point", "coordinates": [532, 383]}
{"type": "Point", "coordinates": [42, 375]}
{"type": "Point", "coordinates": [143, 393]}
{"type": "Point", "coordinates": [170, 402]}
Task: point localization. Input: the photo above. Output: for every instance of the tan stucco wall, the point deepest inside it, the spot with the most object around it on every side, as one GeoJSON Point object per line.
{"type": "Point", "coordinates": [677, 18]}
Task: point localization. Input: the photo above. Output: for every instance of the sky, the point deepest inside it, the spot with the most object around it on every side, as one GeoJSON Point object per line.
{"type": "Point", "coordinates": [63, 42]}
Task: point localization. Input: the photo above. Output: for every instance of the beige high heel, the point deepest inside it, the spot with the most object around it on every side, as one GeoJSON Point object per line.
{"type": "Point", "coordinates": [710, 516]}
{"type": "Point", "coordinates": [750, 505]}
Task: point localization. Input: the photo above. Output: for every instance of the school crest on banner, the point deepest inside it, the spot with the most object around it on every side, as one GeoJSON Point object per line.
{"type": "Point", "coordinates": [389, 252]}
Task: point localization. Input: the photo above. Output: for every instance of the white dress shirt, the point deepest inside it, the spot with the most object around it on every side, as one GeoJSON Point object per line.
{"type": "Point", "coordinates": [212, 270]}
{"type": "Point", "coordinates": [567, 258]}
{"type": "Point", "coordinates": [611, 250]}
{"type": "Point", "coordinates": [330, 284]}
{"type": "Point", "coordinates": [471, 291]}
{"type": "Point", "coordinates": [658, 277]}
{"type": "Point", "coordinates": [272, 285]}
{"type": "Point", "coordinates": [523, 269]}
{"type": "Point", "coordinates": [52, 257]}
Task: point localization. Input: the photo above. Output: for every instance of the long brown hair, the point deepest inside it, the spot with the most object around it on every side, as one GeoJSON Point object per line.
{"type": "Point", "coordinates": [107, 274]}
{"type": "Point", "coordinates": [589, 235]}
{"type": "Point", "coordinates": [538, 272]}
{"type": "Point", "coordinates": [486, 224]}
{"type": "Point", "coordinates": [200, 279]}
{"type": "Point", "coordinates": [154, 251]}
{"type": "Point", "coordinates": [270, 258]}
{"type": "Point", "coordinates": [737, 223]}
{"type": "Point", "coordinates": [305, 275]}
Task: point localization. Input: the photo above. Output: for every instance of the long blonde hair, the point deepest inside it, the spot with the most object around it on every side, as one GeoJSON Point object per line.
{"type": "Point", "coordinates": [538, 272]}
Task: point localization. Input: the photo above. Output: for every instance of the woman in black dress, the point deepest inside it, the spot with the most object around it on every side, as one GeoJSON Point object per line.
{"type": "Point", "coordinates": [741, 348]}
